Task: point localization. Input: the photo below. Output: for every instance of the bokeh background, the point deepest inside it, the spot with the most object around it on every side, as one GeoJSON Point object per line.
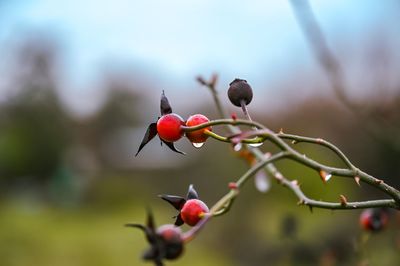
{"type": "Point", "coordinates": [81, 80]}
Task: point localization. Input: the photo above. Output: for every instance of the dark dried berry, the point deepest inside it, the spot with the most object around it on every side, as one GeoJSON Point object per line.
{"type": "Point", "coordinates": [166, 242]}
{"type": "Point", "coordinates": [240, 91]}
{"type": "Point", "coordinates": [172, 239]}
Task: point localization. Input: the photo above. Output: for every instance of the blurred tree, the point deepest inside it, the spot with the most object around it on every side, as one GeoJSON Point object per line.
{"type": "Point", "coordinates": [34, 127]}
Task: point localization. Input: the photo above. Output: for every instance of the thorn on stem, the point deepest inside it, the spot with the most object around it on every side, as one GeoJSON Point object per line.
{"type": "Point", "coordinates": [278, 176]}
{"type": "Point", "coordinates": [310, 207]}
{"type": "Point", "coordinates": [294, 141]}
{"type": "Point", "coordinates": [301, 202]}
{"type": "Point", "coordinates": [343, 200]}
{"type": "Point", "coordinates": [234, 116]}
{"type": "Point", "coordinates": [280, 131]}
{"type": "Point", "coordinates": [357, 179]}
{"type": "Point", "coordinates": [378, 181]}
{"type": "Point", "coordinates": [324, 176]}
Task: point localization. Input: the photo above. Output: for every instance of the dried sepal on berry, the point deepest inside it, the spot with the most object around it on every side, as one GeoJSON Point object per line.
{"type": "Point", "coordinates": [172, 147]}
{"type": "Point", "coordinates": [177, 202]}
{"type": "Point", "coordinates": [192, 193]}
{"type": "Point", "coordinates": [151, 132]}
{"type": "Point", "coordinates": [165, 107]}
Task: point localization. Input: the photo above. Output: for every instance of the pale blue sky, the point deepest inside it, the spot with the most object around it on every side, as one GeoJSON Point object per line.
{"type": "Point", "coordinates": [178, 39]}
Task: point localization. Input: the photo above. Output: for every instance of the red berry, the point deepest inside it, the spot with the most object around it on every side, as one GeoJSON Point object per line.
{"type": "Point", "coordinates": [197, 136]}
{"type": "Point", "coordinates": [193, 210]}
{"type": "Point", "coordinates": [373, 219]}
{"type": "Point", "coordinates": [169, 127]}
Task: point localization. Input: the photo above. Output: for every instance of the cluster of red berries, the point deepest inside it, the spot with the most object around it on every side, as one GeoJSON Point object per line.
{"type": "Point", "coordinates": [169, 128]}
{"type": "Point", "coordinates": [167, 242]}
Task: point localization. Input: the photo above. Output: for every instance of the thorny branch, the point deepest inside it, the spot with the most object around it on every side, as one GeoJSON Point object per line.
{"type": "Point", "coordinates": [259, 133]}
{"type": "Point", "coordinates": [290, 153]}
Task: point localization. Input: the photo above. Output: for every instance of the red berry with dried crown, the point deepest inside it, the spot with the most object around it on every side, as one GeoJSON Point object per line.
{"type": "Point", "coordinates": [169, 127]}
{"type": "Point", "coordinates": [193, 211]}
{"type": "Point", "coordinates": [197, 136]}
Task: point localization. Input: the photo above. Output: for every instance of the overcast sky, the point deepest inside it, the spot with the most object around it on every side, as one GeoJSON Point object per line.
{"type": "Point", "coordinates": [178, 39]}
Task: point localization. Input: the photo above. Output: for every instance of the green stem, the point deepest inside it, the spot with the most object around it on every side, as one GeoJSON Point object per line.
{"type": "Point", "coordinates": [246, 176]}
{"type": "Point", "coordinates": [217, 122]}
{"type": "Point", "coordinates": [304, 200]}
{"type": "Point", "coordinates": [318, 141]}
{"type": "Point", "coordinates": [225, 139]}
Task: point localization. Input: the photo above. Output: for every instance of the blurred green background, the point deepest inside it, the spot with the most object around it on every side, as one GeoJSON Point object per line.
{"type": "Point", "coordinates": [69, 179]}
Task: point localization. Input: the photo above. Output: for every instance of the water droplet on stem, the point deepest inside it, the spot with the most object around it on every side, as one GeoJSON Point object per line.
{"type": "Point", "coordinates": [237, 147]}
{"type": "Point", "coordinates": [198, 145]}
{"type": "Point", "coordinates": [327, 177]}
{"type": "Point", "coordinates": [256, 144]}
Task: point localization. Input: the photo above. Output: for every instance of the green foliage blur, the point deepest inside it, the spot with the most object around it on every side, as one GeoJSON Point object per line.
{"type": "Point", "coordinates": [69, 183]}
